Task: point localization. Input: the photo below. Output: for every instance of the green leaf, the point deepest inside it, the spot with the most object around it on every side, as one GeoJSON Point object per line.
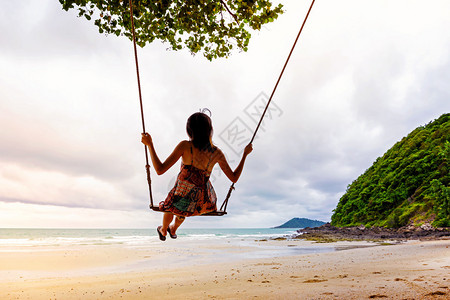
{"type": "Point", "coordinates": [176, 21]}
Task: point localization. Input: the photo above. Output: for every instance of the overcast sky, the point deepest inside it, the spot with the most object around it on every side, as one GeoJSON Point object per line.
{"type": "Point", "coordinates": [364, 74]}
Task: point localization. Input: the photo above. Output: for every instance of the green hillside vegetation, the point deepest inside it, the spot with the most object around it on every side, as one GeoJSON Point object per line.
{"type": "Point", "coordinates": [408, 184]}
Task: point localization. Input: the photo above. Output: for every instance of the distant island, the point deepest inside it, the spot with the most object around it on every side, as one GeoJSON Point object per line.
{"type": "Point", "coordinates": [301, 223]}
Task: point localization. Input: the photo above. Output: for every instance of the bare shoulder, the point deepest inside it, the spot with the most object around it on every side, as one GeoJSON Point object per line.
{"type": "Point", "coordinates": [218, 154]}
{"type": "Point", "coordinates": [184, 145]}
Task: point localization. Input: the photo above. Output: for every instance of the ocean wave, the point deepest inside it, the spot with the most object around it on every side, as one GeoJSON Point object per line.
{"type": "Point", "coordinates": [23, 238]}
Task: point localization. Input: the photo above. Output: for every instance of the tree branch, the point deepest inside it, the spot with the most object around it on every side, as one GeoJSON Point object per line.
{"type": "Point", "coordinates": [229, 11]}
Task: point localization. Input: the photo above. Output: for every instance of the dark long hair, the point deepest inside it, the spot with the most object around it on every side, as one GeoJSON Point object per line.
{"type": "Point", "coordinates": [199, 128]}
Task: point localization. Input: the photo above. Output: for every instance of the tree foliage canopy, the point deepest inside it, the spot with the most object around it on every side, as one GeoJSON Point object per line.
{"type": "Point", "coordinates": [211, 27]}
{"type": "Point", "coordinates": [409, 183]}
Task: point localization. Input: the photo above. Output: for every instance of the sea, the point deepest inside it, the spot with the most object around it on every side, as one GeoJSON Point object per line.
{"type": "Point", "coordinates": [256, 239]}
{"type": "Point", "coordinates": [32, 237]}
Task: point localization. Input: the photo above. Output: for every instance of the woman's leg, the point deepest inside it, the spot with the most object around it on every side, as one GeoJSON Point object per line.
{"type": "Point", "coordinates": [167, 219]}
{"type": "Point", "coordinates": [178, 221]}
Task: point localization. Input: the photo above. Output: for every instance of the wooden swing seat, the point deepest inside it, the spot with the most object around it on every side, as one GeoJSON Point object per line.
{"type": "Point", "coordinates": [213, 213]}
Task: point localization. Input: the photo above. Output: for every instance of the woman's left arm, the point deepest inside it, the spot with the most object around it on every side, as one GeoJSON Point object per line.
{"type": "Point", "coordinates": [162, 167]}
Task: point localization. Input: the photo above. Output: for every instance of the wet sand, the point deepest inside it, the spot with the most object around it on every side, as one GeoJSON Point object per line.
{"type": "Point", "coordinates": [411, 270]}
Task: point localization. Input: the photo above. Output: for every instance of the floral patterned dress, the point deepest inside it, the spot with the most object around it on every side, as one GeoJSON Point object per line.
{"type": "Point", "coordinates": [192, 194]}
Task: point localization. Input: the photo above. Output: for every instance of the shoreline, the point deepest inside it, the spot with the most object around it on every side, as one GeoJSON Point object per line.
{"type": "Point", "coordinates": [408, 270]}
{"type": "Point", "coordinates": [330, 233]}
{"type": "Point", "coordinates": [90, 260]}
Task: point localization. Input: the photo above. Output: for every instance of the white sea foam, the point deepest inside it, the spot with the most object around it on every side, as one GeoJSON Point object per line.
{"type": "Point", "coordinates": [29, 238]}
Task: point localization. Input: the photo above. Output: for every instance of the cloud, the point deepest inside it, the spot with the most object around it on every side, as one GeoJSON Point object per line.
{"type": "Point", "coordinates": [37, 186]}
{"type": "Point", "coordinates": [48, 32]}
{"type": "Point", "coordinates": [363, 75]}
{"type": "Point", "coordinates": [20, 215]}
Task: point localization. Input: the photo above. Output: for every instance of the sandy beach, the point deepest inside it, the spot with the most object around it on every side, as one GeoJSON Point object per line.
{"type": "Point", "coordinates": [180, 270]}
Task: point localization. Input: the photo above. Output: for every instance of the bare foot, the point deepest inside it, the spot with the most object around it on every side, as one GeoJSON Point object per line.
{"type": "Point", "coordinates": [171, 233]}
{"type": "Point", "coordinates": [162, 237]}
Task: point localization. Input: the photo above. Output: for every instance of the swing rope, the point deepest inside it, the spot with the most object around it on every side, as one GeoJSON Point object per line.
{"type": "Point", "coordinates": [147, 165]}
{"type": "Point", "coordinates": [225, 202]}
{"type": "Point", "coordinates": [224, 205]}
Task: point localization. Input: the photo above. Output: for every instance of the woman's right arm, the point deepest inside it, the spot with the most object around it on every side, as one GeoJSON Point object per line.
{"type": "Point", "coordinates": [162, 167]}
{"type": "Point", "coordinates": [234, 175]}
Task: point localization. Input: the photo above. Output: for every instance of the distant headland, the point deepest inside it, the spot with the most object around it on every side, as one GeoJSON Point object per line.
{"type": "Point", "coordinates": [301, 223]}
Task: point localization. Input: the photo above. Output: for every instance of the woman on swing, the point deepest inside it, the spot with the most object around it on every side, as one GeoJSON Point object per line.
{"type": "Point", "coordinates": [193, 193]}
